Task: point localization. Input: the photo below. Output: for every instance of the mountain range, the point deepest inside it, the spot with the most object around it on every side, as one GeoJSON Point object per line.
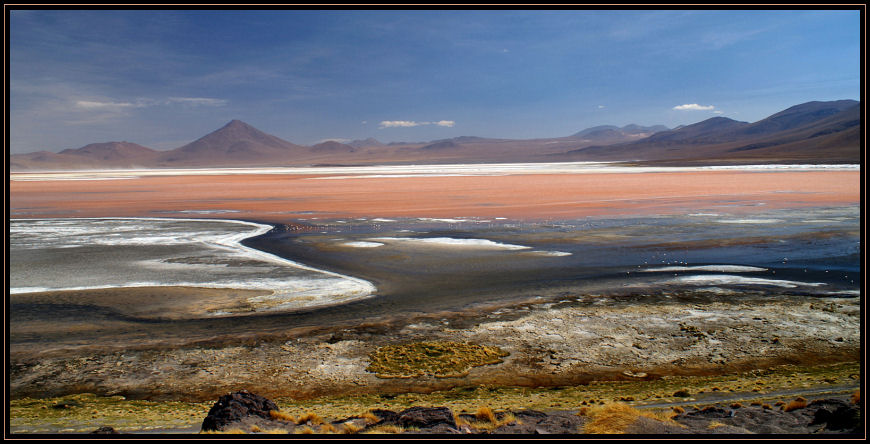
{"type": "Point", "coordinates": [812, 132]}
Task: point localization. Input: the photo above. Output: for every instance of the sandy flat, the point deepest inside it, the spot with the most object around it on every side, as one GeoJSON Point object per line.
{"type": "Point", "coordinates": [283, 197]}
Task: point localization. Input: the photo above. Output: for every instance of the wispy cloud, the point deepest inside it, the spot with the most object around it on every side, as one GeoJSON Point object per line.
{"type": "Point", "coordinates": [398, 124]}
{"type": "Point", "coordinates": [112, 106]}
{"type": "Point", "coordinates": [694, 107]}
{"type": "Point", "coordinates": [411, 123]}
{"type": "Point", "coordinates": [107, 106]}
{"type": "Point", "coordinates": [197, 101]}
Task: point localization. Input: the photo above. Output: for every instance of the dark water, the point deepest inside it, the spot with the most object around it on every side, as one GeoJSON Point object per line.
{"type": "Point", "coordinates": [805, 252]}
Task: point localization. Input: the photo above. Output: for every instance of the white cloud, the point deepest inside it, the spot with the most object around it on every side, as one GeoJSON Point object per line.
{"type": "Point", "coordinates": [411, 123]}
{"type": "Point", "coordinates": [601, 107]}
{"type": "Point", "coordinates": [197, 101]}
{"type": "Point", "coordinates": [110, 106]}
{"type": "Point", "coordinates": [398, 123]}
{"type": "Point", "coordinates": [693, 107]}
{"type": "Point", "coordinates": [107, 106]}
{"type": "Point", "coordinates": [717, 112]}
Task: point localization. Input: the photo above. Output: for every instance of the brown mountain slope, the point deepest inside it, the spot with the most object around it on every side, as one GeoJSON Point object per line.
{"type": "Point", "coordinates": [92, 156]}
{"type": "Point", "coordinates": [235, 144]}
{"type": "Point", "coordinates": [823, 132]}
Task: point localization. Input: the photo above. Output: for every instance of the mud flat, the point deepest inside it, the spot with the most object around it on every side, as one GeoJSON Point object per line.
{"type": "Point", "coordinates": [644, 337]}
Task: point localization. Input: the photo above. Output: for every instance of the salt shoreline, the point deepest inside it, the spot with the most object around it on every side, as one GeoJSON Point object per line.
{"type": "Point", "coordinates": [358, 287]}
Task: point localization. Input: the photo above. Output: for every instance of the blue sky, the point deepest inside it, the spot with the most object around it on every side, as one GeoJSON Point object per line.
{"type": "Point", "coordinates": [165, 78]}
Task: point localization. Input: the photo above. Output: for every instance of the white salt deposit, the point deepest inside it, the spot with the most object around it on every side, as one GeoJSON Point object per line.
{"type": "Point", "coordinates": [136, 252]}
{"type": "Point", "coordinates": [362, 244]}
{"type": "Point", "coordinates": [749, 221]}
{"type": "Point", "coordinates": [550, 253]}
{"type": "Point", "coordinates": [723, 268]}
{"type": "Point", "coordinates": [333, 173]}
{"type": "Point", "coordinates": [717, 279]}
{"type": "Point", "coordinates": [451, 242]}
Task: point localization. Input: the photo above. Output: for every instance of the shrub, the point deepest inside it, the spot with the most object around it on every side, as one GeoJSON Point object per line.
{"type": "Point", "coordinates": [485, 414]}
{"type": "Point", "coordinates": [310, 418]}
{"type": "Point", "coordinates": [616, 417]}
{"type": "Point", "coordinates": [350, 428]}
{"type": "Point", "coordinates": [275, 414]}
{"type": "Point", "coordinates": [370, 417]}
{"type": "Point", "coordinates": [798, 403]}
{"type": "Point", "coordinates": [385, 429]}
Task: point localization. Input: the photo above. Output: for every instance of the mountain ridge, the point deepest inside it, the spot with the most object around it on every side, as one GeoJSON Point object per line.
{"type": "Point", "coordinates": [813, 131]}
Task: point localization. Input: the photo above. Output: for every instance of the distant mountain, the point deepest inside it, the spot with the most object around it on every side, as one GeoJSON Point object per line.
{"type": "Point", "coordinates": [610, 130]}
{"type": "Point", "coordinates": [236, 143]}
{"type": "Point", "coordinates": [613, 134]}
{"type": "Point", "coordinates": [331, 146]}
{"type": "Point", "coordinates": [814, 131]}
{"type": "Point", "coordinates": [446, 144]}
{"type": "Point", "coordinates": [92, 156]}
{"type": "Point", "coordinates": [113, 151]}
{"type": "Point", "coordinates": [365, 143]}
{"type": "Point", "coordinates": [706, 131]}
{"type": "Point", "coordinates": [796, 116]}
{"type": "Point", "coordinates": [818, 132]}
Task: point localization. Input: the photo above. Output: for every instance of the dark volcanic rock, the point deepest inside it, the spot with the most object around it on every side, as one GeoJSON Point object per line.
{"type": "Point", "coordinates": [105, 430]}
{"type": "Point", "coordinates": [533, 422]}
{"type": "Point", "coordinates": [426, 417]}
{"type": "Point", "coordinates": [386, 416]}
{"type": "Point", "coordinates": [235, 407]}
{"type": "Point", "coordinates": [836, 415]}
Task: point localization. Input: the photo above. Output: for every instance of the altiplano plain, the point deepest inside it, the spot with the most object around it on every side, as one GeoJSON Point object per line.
{"type": "Point", "coordinates": [416, 222]}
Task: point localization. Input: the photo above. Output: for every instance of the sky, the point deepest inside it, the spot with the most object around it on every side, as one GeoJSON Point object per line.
{"type": "Point", "coordinates": [164, 78]}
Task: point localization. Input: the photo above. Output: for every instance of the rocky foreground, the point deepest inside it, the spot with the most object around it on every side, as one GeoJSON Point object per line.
{"type": "Point", "coordinates": [244, 412]}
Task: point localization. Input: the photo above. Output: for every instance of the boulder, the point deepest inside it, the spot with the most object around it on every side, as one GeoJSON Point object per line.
{"type": "Point", "coordinates": [105, 430]}
{"type": "Point", "coordinates": [235, 407]}
{"type": "Point", "coordinates": [426, 417]}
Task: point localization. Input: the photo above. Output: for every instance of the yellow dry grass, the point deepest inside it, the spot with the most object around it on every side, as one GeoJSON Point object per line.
{"type": "Point", "coordinates": [614, 418]}
{"type": "Point", "coordinates": [276, 431]}
{"type": "Point", "coordinates": [384, 429]}
{"type": "Point", "coordinates": [275, 414]}
{"type": "Point", "coordinates": [224, 432]}
{"type": "Point", "coordinates": [370, 418]}
{"type": "Point", "coordinates": [309, 418]}
{"type": "Point", "coordinates": [304, 431]}
{"type": "Point", "coordinates": [350, 428]}
{"type": "Point", "coordinates": [437, 358]}
{"type": "Point", "coordinates": [485, 414]}
{"type": "Point", "coordinates": [798, 403]}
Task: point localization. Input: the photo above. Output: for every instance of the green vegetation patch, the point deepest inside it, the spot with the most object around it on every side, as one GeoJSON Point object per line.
{"type": "Point", "coordinates": [442, 359]}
